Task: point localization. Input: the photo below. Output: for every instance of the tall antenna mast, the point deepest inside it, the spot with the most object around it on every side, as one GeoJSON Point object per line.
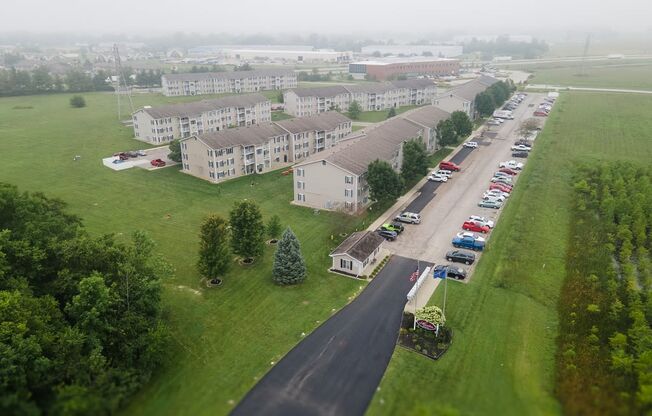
{"type": "Point", "coordinates": [121, 82]}
{"type": "Point", "coordinates": [585, 54]}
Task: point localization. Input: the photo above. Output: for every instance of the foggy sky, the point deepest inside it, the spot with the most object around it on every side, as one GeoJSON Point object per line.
{"type": "Point", "coordinates": [332, 16]}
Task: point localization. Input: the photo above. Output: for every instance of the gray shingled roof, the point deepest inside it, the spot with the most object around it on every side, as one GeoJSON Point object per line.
{"type": "Point", "coordinates": [417, 83]}
{"type": "Point", "coordinates": [359, 245]}
{"type": "Point", "coordinates": [428, 115]}
{"type": "Point", "coordinates": [241, 136]}
{"type": "Point", "coordinates": [381, 142]}
{"type": "Point", "coordinates": [322, 121]}
{"type": "Point", "coordinates": [328, 91]}
{"type": "Point", "coordinates": [376, 88]}
{"type": "Point", "coordinates": [197, 107]}
{"type": "Point", "coordinates": [227, 75]}
{"type": "Point", "coordinates": [472, 88]}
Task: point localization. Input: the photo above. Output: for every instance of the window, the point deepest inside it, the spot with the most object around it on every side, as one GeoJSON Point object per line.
{"type": "Point", "coordinates": [346, 264]}
{"type": "Point", "coordinates": [301, 197]}
{"type": "Point", "coordinates": [348, 193]}
{"type": "Point", "coordinates": [348, 179]}
{"type": "Point", "coordinates": [301, 185]}
{"type": "Point", "coordinates": [300, 172]}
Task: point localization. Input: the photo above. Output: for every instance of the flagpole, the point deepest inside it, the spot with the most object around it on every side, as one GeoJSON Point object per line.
{"type": "Point", "coordinates": [445, 287]}
{"type": "Point", "coordinates": [416, 298]}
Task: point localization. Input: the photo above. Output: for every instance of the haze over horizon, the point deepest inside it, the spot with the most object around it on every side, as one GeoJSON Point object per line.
{"type": "Point", "coordinates": [155, 17]}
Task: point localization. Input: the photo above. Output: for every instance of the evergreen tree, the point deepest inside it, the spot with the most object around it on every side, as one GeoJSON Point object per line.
{"type": "Point", "coordinates": [175, 151]}
{"type": "Point", "coordinates": [214, 254]}
{"type": "Point", "coordinates": [391, 113]}
{"type": "Point", "coordinates": [274, 226]}
{"type": "Point", "coordinates": [247, 229]}
{"type": "Point", "coordinates": [289, 267]}
{"type": "Point", "coordinates": [354, 110]}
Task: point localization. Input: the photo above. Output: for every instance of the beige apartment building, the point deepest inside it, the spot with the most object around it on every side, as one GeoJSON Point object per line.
{"type": "Point", "coordinates": [427, 117]}
{"type": "Point", "coordinates": [370, 97]}
{"type": "Point", "coordinates": [227, 82]}
{"type": "Point", "coordinates": [335, 178]}
{"type": "Point", "coordinates": [160, 125]}
{"type": "Point", "coordinates": [227, 154]}
{"type": "Point", "coordinates": [462, 98]}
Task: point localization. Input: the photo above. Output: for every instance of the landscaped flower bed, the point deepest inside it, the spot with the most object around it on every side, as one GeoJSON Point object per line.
{"type": "Point", "coordinates": [424, 342]}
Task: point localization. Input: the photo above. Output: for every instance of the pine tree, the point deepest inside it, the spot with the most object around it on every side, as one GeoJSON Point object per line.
{"type": "Point", "coordinates": [289, 267]}
{"type": "Point", "coordinates": [214, 254]}
{"type": "Point", "coordinates": [247, 229]}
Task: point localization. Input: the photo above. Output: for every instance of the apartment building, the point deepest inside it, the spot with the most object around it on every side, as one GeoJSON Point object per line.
{"type": "Point", "coordinates": [427, 117]}
{"type": "Point", "coordinates": [227, 82]}
{"type": "Point", "coordinates": [335, 178]}
{"type": "Point", "coordinates": [227, 154]}
{"type": "Point", "coordinates": [160, 125]}
{"type": "Point", "coordinates": [370, 97]}
{"type": "Point", "coordinates": [462, 98]}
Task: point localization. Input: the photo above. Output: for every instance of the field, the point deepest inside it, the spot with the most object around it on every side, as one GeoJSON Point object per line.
{"type": "Point", "coordinates": [505, 321]}
{"type": "Point", "coordinates": [627, 75]}
{"type": "Point", "coordinates": [223, 339]}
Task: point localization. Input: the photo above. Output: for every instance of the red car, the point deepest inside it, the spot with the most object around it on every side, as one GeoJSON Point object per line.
{"type": "Point", "coordinates": [501, 187]}
{"type": "Point", "coordinates": [541, 114]}
{"type": "Point", "coordinates": [449, 166]}
{"type": "Point", "coordinates": [121, 155]}
{"type": "Point", "coordinates": [472, 226]}
{"type": "Point", "coordinates": [159, 163]}
{"type": "Point", "coordinates": [508, 171]}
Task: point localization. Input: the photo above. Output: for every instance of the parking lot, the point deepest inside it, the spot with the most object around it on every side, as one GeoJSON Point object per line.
{"type": "Point", "coordinates": [445, 206]}
{"type": "Point", "coordinates": [143, 162]}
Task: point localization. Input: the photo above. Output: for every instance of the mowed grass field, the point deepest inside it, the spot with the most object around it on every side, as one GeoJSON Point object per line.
{"type": "Point", "coordinates": [223, 339]}
{"type": "Point", "coordinates": [502, 358]}
{"type": "Point", "coordinates": [624, 75]}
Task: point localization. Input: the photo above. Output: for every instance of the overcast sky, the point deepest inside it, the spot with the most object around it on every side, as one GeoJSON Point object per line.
{"type": "Point", "coordinates": [326, 17]}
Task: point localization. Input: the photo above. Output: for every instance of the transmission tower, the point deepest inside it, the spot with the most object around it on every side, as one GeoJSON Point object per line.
{"type": "Point", "coordinates": [584, 55]}
{"type": "Point", "coordinates": [120, 83]}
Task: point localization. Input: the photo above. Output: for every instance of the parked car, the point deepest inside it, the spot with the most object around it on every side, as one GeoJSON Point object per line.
{"type": "Point", "coordinates": [393, 226]}
{"type": "Point", "coordinates": [482, 220]}
{"type": "Point", "coordinates": [491, 197]}
{"type": "Point", "coordinates": [470, 234]}
{"type": "Point", "coordinates": [409, 217]}
{"type": "Point", "coordinates": [121, 155]}
{"type": "Point", "coordinates": [468, 243]}
{"type": "Point", "coordinates": [523, 142]}
{"type": "Point", "coordinates": [132, 153]}
{"type": "Point", "coordinates": [444, 172]}
{"type": "Point", "coordinates": [512, 164]}
{"type": "Point", "coordinates": [522, 155]}
{"type": "Point", "coordinates": [500, 174]}
{"type": "Point", "coordinates": [141, 153]}
{"type": "Point", "coordinates": [450, 271]}
{"type": "Point", "coordinates": [501, 179]}
{"type": "Point", "coordinates": [159, 163]}
{"type": "Point", "coordinates": [472, 226]}
{"type": "Point", "coordinates": [387, 235]}
{"type": "Point", "coordinates": [490, 204]}
{"type": "Point", "coordinates": [540, 113]}
{"type": "Point", "coordinates": [508, 171]}
{"type": "Point", "coordinates": [521, 148]}
{"type": "Point", "coordinates": [496, 192]}
{"type": "Point", "coordinates": [471, 145]}
{"type": "Point", "coordinates": [459, 256]}
{"type": "Point", "coordinates": [501, 187]}
{"type": "Point", "coordinates": [493, 122]}
{"type": "Point", "coordinates": [434, 177]}
{"type": "Point", "coordinates": [450, 166]}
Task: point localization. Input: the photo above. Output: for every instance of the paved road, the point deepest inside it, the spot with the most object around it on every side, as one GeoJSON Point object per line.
{"type": "Point", "coordinates": [565, 87]}
{"type": "Point", "coordinates": [336, 369]}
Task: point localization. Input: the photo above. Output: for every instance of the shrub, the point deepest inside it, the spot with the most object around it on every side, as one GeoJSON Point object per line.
{"type": "Point", "coordinates": [77, 101]}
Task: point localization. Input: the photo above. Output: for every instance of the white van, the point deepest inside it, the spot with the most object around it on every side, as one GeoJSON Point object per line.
{"type": "Point", "coordinates": [409, 217]}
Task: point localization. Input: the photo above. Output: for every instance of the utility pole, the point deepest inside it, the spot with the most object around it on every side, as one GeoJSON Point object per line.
{"type": "Point", "coordinates": [584, 55]}
{"type": "Point", "coordinates": [120, 82]}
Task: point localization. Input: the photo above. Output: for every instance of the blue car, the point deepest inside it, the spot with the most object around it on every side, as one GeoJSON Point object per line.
{"type": "Point", "coordinates": [468, 243]}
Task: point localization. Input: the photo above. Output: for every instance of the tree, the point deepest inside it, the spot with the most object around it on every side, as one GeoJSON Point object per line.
{"type": "Point", "coordinates": [289, 267]}
{"type": "Point", "coordinates": [280, 97]}
{"type": "Point", "coordinates": [175, 151]}
{"type": "Point", "coordinates": [354, 110]}
{"type": "Point", "coordinates": [484, 104]}
{"type": "Point", "coordinates": [391, 113]}
{"type": "Point", "coordinates": [77, 101]}
{"type": "Point", "coordinates": [432, 314]}
{"type": "Point", "coordinates": [446, 135]}
{"type": "Point", "coordinates": [462, 123]}
{"type": "Point", "coordinates": [215, 256]}
{"type": "Point", "coordinates": [247, 229]}
{"type": "Point", "coordinates": [528, 126]}
{"type": "Point", "coordinates": [384, 183]}
{"type": "Point", "coordinates": [415, 160]}
{"type": "Point", "coordinates": [244, 67]}
{"type": "Point", "coordinates": [274, 226]}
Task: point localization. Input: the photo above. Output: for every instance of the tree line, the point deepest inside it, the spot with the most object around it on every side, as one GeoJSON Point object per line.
{"type": "Point", "coordinates": [80, 316]}
{"type": "Point", "coordinates": [493, 97]}
{"type": "Point", "coordinates": [604, 360]}
{"type": "Point", "coordinates": [502, 46]}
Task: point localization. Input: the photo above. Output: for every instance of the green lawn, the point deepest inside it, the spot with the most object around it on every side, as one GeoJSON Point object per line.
{"type": "Point", "coordinates": [625, 75]}
{"type": "Point", "coordinates": [356, 127]}
{"type": "Point", "coordinates": [223, 339]}
{"type": "Point", "coordinates": [279, 115]}
{"type": "Point", "coordinates": [378, 116]}
{"type": "Point", "coordinates": [505, 320]}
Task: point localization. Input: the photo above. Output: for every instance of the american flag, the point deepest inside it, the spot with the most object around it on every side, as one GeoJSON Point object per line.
{"type": "Point", "coordinates": [414, 275]}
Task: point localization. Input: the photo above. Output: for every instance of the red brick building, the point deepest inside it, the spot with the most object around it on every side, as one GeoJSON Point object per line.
{"type": "Point", "coordinates": [392, 67]}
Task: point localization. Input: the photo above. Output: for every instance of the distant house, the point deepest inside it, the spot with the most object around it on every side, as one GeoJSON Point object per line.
{"type": "Point", "coordinates": [357, 253]}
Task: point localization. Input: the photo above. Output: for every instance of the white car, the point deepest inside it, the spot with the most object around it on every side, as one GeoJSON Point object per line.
{"type": "Point", "coordinates": [471, 145]}
{"type": "Point", "coordinates": [470, 234]}
{"type": "Point", "coordinates": [482, 220]}
{"type": "Point", "coordinates": [492, 197]}
{"type": "Point", "coordinates": [437, 178]}
{"type": "Point", "coordinates": [443, 172]}
{"type": "Point", "coordinates": [502, 179]}
{"type": "Point", "coordinates": [409, 217]}
{"type": "Point", "coordinates": [502, 175]}
{"type": "Point", "coordinates": [512, 164]}
{"type": "Point", "coordinates": [493, 123]}
{"type": "Point", "coordinates": [496, 192]}
{"type": "Point", "coordinates": [521, 148]}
